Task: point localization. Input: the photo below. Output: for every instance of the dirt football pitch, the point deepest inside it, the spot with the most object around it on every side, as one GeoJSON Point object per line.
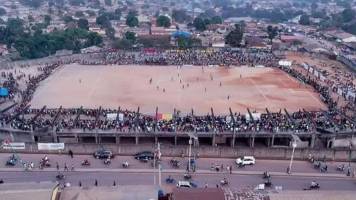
{"type": "Point", "coordinates": [171, 87]}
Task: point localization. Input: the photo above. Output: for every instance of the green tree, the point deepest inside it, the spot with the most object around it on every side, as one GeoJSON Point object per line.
{"type": "Point", "coordinates": [47, 20]}
{"type": "Point", "coordinates": [91, 13]}
{"type": "Point", "coordinates": [30, 18]}
{"type": "Point", "coordinates": [83, 24]}
{"type": "Point", "coordinates": [122, 44]}
{"type": "Point", "coordinates": [110, 32]}
{"type": "Point", "coordinates": [350, 28]}
{"type": "Point", "coordinates": [180, 16]}
{"type": "Point", "coordinates": [348, 15]}
{"type": "Point", "coordinates": [131, 20]}
{"type": "Point", "coordinates": [304, 20]}
{"type": "Point", "coordinates": [199, 24]}
{"type": "Point", "coordinates": [117, 14]}
{"type": "Point", "coordinates": [108, 2]}
{"type": "Point", "coordinates": [103, 21]}
{"type": "Point", "coordinates": [188, 42]}
{"type": "Point", "coordinates": [163, 21]}
{"type": "Point", "coordinates": [77, 2]}
{"type": "Point", "coordinates": [79, 13]}
{"type": "Point", "coordinates": [130, 36]}
{"type": "Point", "coordinates": [93, 39]}
{"type": "Point", "coordinates": [272, 32]}
{"type": "Point", "coordinates": [216, 20]}
{"type": "Point", "coordinates": [68, 19]}
{"type": "Point", "coordinates": [235, 36]}
{"type": "Point", "coordinates": [32, 3]}
{"type": "Point", "coordinates": [2, 11]}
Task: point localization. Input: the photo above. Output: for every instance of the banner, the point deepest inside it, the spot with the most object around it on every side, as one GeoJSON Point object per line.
{"type": "Point", "coordinates": [111, 116]}
{"type": "Point", "coordinates": [14, 145]}
{"type": "Point", "coordinates": [121, 117]}
{"type": "Point", "coordinates": [166, 116]}
{"type": "Point", "coordinates": [256, 116]}
{"type": "Point", "coordinates": [50, 146]}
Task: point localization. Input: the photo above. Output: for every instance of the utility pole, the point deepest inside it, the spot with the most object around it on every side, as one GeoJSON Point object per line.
{"type": "Point", "coordinates": [190, 153]}
{"type": "Point", "coordinates": [294, 145]}
{"type": "Point", "coordinates": [159, 165]}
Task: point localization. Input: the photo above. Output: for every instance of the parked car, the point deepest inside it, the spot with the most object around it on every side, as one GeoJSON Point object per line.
{"type": "Point", "coordinates": [186, 184]}
{"type": "Point", "coordinates": [12, 160]}
{"type": "Point", "coordinates": [144, 155]}
{"type": "Point", "coordinates": [246, 160]}
{"type": "Point", "coordinates": [103, 154]}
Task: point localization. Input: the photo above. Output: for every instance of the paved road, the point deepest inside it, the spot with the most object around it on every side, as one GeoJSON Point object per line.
{"type": "Point", "coordinates": [141, 173]}
{"type": "Point", "coordinates": [126, 178]}
{"type": "Point", "coordinates": [202, 163]}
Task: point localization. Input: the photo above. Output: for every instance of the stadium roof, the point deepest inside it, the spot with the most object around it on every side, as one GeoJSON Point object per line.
{"type": "Point", "coordinates": [133, 192]}
{"type": "Point", "coordinates": [181, 34]}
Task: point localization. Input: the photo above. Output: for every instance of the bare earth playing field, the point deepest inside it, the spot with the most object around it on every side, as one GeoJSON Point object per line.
{"type": "Point", "coordinates": [172, 87]}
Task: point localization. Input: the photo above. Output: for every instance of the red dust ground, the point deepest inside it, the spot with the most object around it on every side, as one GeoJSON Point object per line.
{"type": "Point", "coordinates": [172, 87]}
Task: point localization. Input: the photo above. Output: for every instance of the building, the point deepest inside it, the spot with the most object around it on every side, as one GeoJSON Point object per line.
{"type": "Point", "coordinates": [135, 192]}
{"type": "Point", "coordinates": [197, 194]}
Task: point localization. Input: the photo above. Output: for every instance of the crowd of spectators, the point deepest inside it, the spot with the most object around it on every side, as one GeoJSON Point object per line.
{"type": "Point", "coordinates": [62, 120]}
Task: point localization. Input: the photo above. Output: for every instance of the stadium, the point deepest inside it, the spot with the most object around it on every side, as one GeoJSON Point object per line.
{"type": "Point", "coordinates": [113, 96]}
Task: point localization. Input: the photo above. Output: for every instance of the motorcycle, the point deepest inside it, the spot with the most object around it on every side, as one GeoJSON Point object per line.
{"type": "Point", "coordinates": [60, 177]}
{"type": "Point", "coordinates": [125, 164]}
{"type": "Point", "coordinates": [44, 163]}
{"type": "Point", "coordinates": [340, 168]}
{"type": "Point", "coordinates": [170, 180]}
{"type": "Point", "coordinates": [317, 164]}
{"type": "Point", "coordinates": [224, 182]}
{"type": "Point", "coordinates": [107, 161]}
{"type": "Point", "coordinates": [266, 175]}
{"type": "Point", "coordinates": [174, 163]}
{"type": "Point", "coordinates": [314, 187]}
{"type": "Point", "coordinates": [268, 183]}
{"type": "Point", "coordinates": [187, 176]}
{"type": "Point", "coordinates": [86, 163]}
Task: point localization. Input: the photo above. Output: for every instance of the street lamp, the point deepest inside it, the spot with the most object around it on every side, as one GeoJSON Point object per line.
{"type": "Point", "coordinates": [350, 153]}
{"type": "Point", "coordinates": [294, 145]}
{"type": "Point", "coordinates": [190, 153]}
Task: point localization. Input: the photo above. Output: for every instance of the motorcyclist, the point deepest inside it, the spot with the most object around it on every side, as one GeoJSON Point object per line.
{"type": "Point", "coordinates": [224, 181]}
{"type": "Point", "coordinates": [125, 164]}
{"type": "Point", "coordinates": [45, 158]}
{"type": "Point", "coordinates": [313, 184]}
{"type": "Point", "coordinates": [86, 162]}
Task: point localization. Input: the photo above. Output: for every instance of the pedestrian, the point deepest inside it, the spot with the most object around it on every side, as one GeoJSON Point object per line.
{"type": "Point", "coordinates": [230, 169]}
{"type": "Point", "coordinates": [80, 184]}
{"type": "Point", "coordinates": [206, 185]}
{"type": "Point", "coordinates": [57, 166]}
{"type": "Point", "coordinates": [114, 184]}
{"type": "Point", "coordinates": [65, 167]}
{"type": "Point", "coordinates": [72, 168]}
{"type": "Point", "coordinates": [70, 153]}
{"type": "Point", "coordinates": [222, 167]}
{"type": "Point", "coordinates": [164, 89]}
{"type": "Point", "coordinates": [217, 185]}
{"type": "Point", "coordinates": [220, 84]}
{"type": "Point", "coordinates": [228, 97]}
{"type": "Point", "coordinates": [96, 182]}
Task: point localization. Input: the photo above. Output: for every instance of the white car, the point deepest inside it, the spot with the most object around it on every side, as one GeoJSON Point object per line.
{"type": "Point", "coordinates": [184, 184]}
{"type": "Point", "coordinates": [246, 160]}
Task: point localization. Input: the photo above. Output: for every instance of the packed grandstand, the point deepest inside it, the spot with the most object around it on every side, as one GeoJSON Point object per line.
{"type": "Point", "coordinates": [21, 87]}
